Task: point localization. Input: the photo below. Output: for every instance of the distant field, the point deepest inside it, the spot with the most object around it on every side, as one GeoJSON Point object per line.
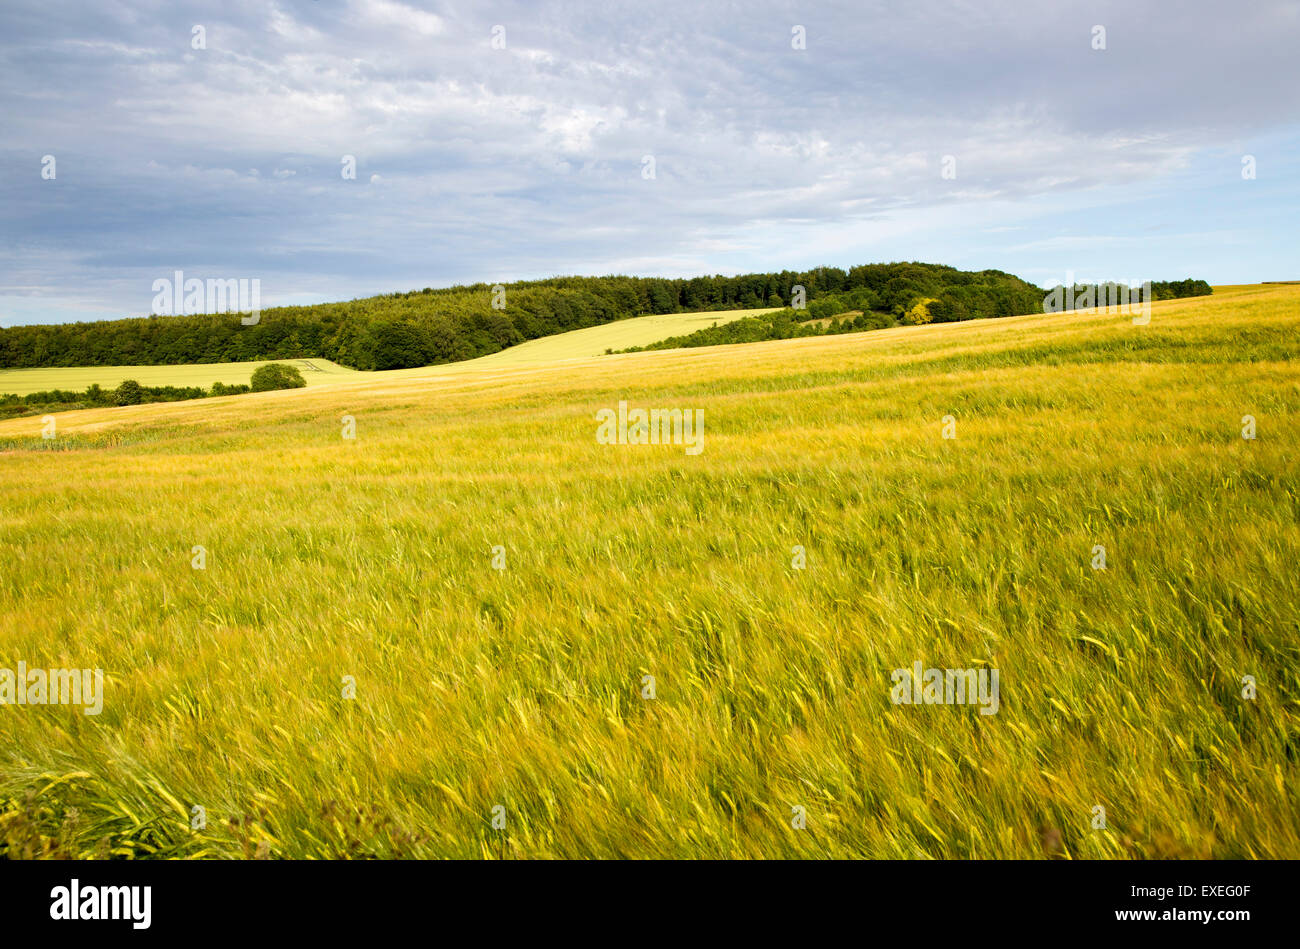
{"type": "Point", "coordinates": [522, 688]}
{"type": "Point", "coordinates": [622, 334]}
{"type": "Point", "coordinates": [577, 344]}
{"type": "Point", "coordinates": [26, 381]}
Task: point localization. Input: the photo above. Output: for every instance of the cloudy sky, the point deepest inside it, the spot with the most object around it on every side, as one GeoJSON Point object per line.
{"type": "Point", "coordinates": [501, 141]}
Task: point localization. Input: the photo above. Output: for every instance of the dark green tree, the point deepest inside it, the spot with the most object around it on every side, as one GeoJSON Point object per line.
{"type": "Point", "coordinates": [276, 375]}
{"type": "Point", "coordinates": [129, 393]}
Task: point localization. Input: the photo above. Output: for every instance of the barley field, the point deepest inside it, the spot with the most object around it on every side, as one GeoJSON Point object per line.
{"type": "Point", "coordinates": [351, 675]}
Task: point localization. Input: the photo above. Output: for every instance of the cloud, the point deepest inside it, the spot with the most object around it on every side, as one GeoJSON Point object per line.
{"type": "Point", "coordinates": [526, 161]}
{"type": "Point", "coordinates": [385, 13]}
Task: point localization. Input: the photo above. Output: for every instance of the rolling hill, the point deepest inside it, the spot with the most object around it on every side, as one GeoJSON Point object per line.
{"type": "Point", "coordinates": [582, 343]}
{"type": "Point", "coordinates": [462, 608]}
{"type": "Point", "coordinates": [453, 324]}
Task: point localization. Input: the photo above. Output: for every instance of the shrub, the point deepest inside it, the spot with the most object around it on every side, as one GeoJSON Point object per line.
{"type": "Point", "coordinates": [276, 375]}
{"type": "Point", "coordinates": [129, 392]}
{"type": "Point", "coordinates": [220, 388]}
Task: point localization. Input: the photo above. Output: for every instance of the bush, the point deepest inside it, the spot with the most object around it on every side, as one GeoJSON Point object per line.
{"type": "Point", "coordinates": [129, 393]}
{"type": "Point", "coordinates": [220, 388]}
{"type": "Point", "coordinates": [276, 375]}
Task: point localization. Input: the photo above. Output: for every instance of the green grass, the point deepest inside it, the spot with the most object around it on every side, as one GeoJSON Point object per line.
{"type": "Point", "coordinates": [476, 687]}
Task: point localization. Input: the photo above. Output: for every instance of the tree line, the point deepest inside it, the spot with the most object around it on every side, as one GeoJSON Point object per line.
{"type": "Point", "coordinates": [1083, 296]}
{"type": "Point", "coordinates": [130, 392]}
{"type": "Point", "coordinates": [866, 308]}
{"type": "Point", "coordinates": [764, 326]}
{"type": "Point", "coordinates": [431, 326]}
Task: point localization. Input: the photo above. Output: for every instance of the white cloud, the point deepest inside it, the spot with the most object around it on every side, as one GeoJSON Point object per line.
{"type": "Point", "coordinates": [529, 163]}
{"type": "Point", "coordinates": [388, 13]}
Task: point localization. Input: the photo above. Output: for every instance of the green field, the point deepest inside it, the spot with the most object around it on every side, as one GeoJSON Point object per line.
{"type": "Point", "coordinates": [593, 341]}
{"type": "Point", "coordinates": [620, 334]}
{"type": "Point", "coordinates": [522, 688]}
{"type": "Point", "coordinates": [26, 381]}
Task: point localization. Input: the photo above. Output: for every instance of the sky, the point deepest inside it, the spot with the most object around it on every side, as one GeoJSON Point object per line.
{"type": "Point", "coordinates": [500, 141]}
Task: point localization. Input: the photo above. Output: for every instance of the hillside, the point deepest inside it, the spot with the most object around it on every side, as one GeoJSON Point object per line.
{"type": "Point", "coordinates": [592, 341]}
{"type": "Point", "coordinates": [371, 560]}
{"type": "Point", "coordinates": [430, 327]}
